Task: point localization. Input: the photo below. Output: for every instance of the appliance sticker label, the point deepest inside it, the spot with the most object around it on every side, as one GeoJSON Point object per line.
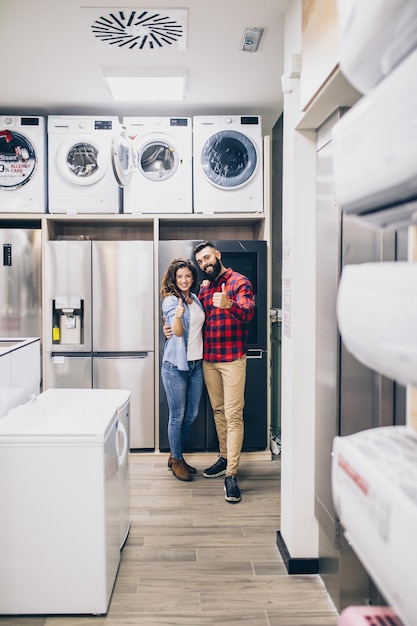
{"type": "Point", "coordinates": [7, 254]}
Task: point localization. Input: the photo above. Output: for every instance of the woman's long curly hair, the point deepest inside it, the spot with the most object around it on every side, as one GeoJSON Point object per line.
{"type": "Point", "coordinates": [169, 279]}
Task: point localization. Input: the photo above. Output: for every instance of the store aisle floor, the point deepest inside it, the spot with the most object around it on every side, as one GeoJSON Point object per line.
{"type": "Point", "coordinates": [192, 559]}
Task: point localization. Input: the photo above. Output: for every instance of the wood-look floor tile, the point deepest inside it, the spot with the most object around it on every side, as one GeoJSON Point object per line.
{"type": "Point", "coordinates": [280, 619]}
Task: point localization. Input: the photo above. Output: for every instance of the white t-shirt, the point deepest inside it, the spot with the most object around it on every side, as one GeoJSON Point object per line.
{"type": "Point", "coordinates": [195, 336]}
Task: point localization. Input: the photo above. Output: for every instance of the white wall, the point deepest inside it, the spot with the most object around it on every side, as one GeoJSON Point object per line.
{"type": "Point", "coordinates": [299, 527]}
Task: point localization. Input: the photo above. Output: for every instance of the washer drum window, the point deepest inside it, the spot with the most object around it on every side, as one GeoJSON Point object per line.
{"type": "Point", "coordinates": [18, 160]}
{"type": "Point", "coordinates": [83, 161]}
{"type": "Point", "coordinates": [229, 159]}
{"type": "Point", "coordinates": [158, 160]}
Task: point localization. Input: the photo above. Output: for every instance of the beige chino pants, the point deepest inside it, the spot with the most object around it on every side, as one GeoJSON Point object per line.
{"type": "Point", "coordinates": [225, 384]}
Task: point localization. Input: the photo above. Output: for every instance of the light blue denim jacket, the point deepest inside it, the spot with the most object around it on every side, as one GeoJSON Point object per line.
{"type": "Point", "coordinates": [175, 349]}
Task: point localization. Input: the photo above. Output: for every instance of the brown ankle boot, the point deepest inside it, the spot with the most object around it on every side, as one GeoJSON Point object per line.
{"type": "Point", "coordinates": [191, 470]}
{"type": "Point", "coordinates": [179, 470]}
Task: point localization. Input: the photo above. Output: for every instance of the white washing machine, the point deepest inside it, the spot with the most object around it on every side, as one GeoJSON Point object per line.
{"type": "Point", "coordinates": [81, 176]}
{"type": "Point", "coordinates": [22, 164]}
{"type": "Point", "coordinates": [162, 154]}
{"type": "Point", "coordinates": [228, 164]}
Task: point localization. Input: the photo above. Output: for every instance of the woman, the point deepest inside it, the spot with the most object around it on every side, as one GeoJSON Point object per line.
{"type": "Point", "coordinates": [182, 373]}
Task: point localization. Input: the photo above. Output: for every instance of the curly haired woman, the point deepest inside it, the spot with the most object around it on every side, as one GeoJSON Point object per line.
{"type": "Point", "coordinates": [181, 372]}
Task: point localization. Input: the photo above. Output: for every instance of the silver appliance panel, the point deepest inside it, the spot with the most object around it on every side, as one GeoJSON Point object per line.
{"type": "Point", "coordinates": [68, 281]}
{"type": "Point", "coordinates": [20, 283]}
{"type": "Point", "coordinates": [68, 371]}
{"type": "Point", "coordinates": [123, 309]}
{"type": "Point", "coordinates": [135, 373]}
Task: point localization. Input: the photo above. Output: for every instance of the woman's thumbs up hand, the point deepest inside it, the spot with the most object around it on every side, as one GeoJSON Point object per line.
{"type": "Point", "coordinates": [179, 311]}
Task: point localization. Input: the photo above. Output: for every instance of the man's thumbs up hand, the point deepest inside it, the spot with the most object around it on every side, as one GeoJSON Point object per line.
{"type": "Point", "coordinates": [221, 299]}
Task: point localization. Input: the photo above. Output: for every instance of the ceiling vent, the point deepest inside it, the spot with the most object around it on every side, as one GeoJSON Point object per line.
{"type": "Point", "coordinates": [141, 29]}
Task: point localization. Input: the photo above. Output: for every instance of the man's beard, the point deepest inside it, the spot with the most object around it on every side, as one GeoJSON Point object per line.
{"type": "Point", "coordinates": [215, 271]}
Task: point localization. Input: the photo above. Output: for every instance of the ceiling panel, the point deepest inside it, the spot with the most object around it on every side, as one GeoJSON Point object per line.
{"type": "Point", "coordinates": [52, 61]}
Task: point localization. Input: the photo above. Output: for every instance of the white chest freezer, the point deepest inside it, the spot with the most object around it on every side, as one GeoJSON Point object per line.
{"type": "Point", "coordinates": [60, 460]}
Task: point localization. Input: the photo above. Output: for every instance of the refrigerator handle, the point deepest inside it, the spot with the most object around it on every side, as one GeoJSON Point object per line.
{"type": "Point", "coordinates": [254, 354]}
{"type": "Point", "coordinates": [121, 456]}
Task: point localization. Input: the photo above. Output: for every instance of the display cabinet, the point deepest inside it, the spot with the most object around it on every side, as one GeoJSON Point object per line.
{"type": "Point", "coordinates": [161, 228]}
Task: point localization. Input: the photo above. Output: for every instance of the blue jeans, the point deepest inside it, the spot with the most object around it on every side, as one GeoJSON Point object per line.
{"type": "Point", "coordinates": [183, 391]}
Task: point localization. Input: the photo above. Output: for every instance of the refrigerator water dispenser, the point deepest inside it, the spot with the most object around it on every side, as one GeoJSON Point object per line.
{"type": "Point", "coordinates": [67, 316]}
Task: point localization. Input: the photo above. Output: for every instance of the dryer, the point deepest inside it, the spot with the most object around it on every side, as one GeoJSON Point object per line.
{"type": "Point", "coordinates": [228, 164]}
{"type": "Point", "coordinates": [162, 157]}
{"type": "Point", "coordinates": [22, 164]}
{"type": "Point", "coordinates": [81, 176]}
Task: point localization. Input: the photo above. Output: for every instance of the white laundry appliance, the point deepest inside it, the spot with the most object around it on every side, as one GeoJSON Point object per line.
{"type": "Point", "coordinates": [22, 164]}
{"type": "Point", "coordinates": [60, 493]}
{"type": "Point", "coordinates": [228, 164]}
{"type": "Point", "coordinates": [162, 165]}
{"type": "Point", "coordinates": [81, 176]}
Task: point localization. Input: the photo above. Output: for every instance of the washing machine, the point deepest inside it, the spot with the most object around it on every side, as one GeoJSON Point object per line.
{"type": "Point", "coordinates": [162, 180]}
{"type": "Point", "coordinates": [227, 164]}
{"type": "Point", "coordinates": [22, 164]}
{"type": "Point", "coordinates": [80, 167]}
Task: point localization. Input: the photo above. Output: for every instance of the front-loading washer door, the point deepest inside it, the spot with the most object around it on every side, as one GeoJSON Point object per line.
{"type": "Point", "coordinates": [124, 157]}
{"type": "Point", "coordinates": [158, 160]}
{"type": "Point", "coordinates": [18, 160]}
{"type": "Point", "coordinates": [229, 159]}
{"type": "Point", "coordinates": [82, 161]}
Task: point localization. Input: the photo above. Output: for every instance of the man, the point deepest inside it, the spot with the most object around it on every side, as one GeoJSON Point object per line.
{"type": "Point", "coordinates": [227, 298]}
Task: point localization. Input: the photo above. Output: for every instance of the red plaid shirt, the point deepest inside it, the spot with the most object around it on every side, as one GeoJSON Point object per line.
{"type": "Point", "coordinates": [225, 332]}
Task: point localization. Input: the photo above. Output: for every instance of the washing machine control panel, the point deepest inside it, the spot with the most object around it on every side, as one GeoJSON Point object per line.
{"type": "Point", "coordinates": [249, 120]}
{"type": "Point", "coordinates": [103, 125]}
{"type": "Point", "coordinates": [178, 121]}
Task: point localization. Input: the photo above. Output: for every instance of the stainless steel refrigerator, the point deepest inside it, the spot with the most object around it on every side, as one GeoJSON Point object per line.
{"type": "Point", "coordinates": [99, 320]}
{"type": "Point", "coordinates": [20, 280]}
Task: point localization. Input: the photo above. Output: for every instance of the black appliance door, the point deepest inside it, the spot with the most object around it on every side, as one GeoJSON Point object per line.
{"type": "Point", "coordinates": [255, 411]}
{"type": "Point", "coordinates": [249, 258]}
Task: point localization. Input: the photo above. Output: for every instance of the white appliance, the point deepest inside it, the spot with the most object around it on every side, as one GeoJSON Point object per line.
{"type": "Point", "coordinates": [60, 494]}
{"type": "Point", "coordinates": [22, 164]}
{"type": "Point", "coordinates": [375, 152]}
{"type": "Point", "coordinates": [376, 313]}
{"type": "Point", "coordinates": [374, 478]}
{"type": "Point", "coordinates": [78, 399]}
{"type": "Point", "coordinates": [81, 175]}
{"type": "Point", "coordinates": [227, 164]}
{"type": "Point", "coordinates": [390, 26]}
{"type": "Point", "coordinates": [20, 371]}
{"type": "Point", "coordinates": [162, 165]}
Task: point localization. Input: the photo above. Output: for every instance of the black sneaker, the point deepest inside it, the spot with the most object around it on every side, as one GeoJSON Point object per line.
{"type": "Point", "coordinates": [218, 469]}
{"type": "Point", "coordinates": [231, 489]}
